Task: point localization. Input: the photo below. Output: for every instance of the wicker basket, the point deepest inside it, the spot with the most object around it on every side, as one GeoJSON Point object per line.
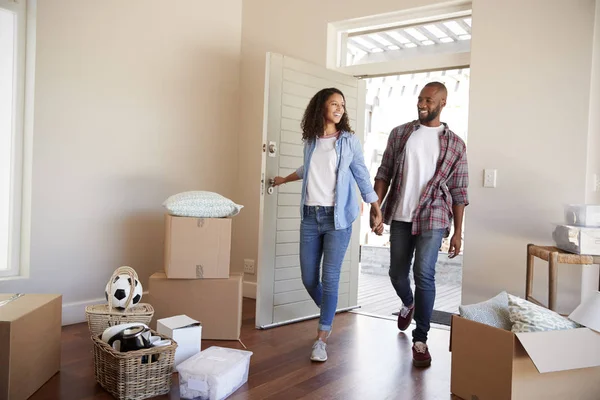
{"type": "Point", "coordinates": [102, 316]}
{"type": "Point", "coordinates": [136, 374]}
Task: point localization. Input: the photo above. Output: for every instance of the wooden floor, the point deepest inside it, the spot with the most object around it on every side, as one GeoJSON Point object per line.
{"type": "Point", "coordinates": [368, 359]}
{"type": "Point", "coordinates": [376, 295]}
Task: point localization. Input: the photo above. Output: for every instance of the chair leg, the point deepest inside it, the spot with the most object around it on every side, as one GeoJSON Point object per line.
{"type": "Point", "coordinates": [529, 276]}
{"type": "Point", "coordinates": [552, 280]}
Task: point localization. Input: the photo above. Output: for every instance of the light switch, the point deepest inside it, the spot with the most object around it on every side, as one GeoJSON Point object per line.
{"type": "Point", "coordinates": [489, 178]}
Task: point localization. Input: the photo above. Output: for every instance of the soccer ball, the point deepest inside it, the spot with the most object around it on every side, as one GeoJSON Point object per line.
{"type": "Point", "coordinates": [121, 287]}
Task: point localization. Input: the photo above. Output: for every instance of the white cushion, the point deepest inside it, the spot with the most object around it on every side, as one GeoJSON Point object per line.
{"type": "Point", "coordinates": [529, 317]}
{"type": "Point", "coordinates": [492, 312]}
{"type": "Point", "coordinates": [201, 204]}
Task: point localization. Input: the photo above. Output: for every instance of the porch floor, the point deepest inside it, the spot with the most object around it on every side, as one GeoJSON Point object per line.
{"type": "Point", "coordinates": [377, 296]}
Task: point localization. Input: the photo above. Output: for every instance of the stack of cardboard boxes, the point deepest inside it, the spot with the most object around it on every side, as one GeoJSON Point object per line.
{"type": "Point", "coordinates": [196, 281]}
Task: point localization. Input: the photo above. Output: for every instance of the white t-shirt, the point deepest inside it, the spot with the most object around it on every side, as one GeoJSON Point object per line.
{"type": "Point", "coordinates": [320, 184]}
{"type": "Point", "coordinates": [421, 155]}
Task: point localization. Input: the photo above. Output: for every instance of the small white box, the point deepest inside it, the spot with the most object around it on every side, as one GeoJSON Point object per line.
{"type": "Point", "coordinates": [187, 332]}
{"type": "Point", "coordinates": [582, 215]}
{"type": "Point", "coordinates": [213, 374]}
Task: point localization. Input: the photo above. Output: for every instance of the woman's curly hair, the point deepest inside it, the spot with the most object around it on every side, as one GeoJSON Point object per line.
{"type": "Point", "coordinates": [313, 120]}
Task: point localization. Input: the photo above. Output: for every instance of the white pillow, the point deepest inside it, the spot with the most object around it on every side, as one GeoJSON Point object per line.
{"type": "Point", "coordinates": [201, 204]}
{"type": "Point", "coordinates": [529, 317]}
{"type": "Point", "coordinates": [492, 312]}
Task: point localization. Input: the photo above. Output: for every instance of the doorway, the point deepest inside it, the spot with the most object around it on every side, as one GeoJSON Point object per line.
{"type": "Point", "coordinates": [391, 101]}
{"type": "Point", "coordinates": [396, 55]}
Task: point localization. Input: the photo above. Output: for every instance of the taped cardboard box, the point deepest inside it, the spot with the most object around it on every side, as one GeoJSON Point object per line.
{"type": "Point", "coordinates": [197, 248]}
{"type": "Point", "coordinates": [30, 333]}
{"type": "Point", "coordinates": [215, 303]}
{"type": "Point", "coordinates": [489, 363]}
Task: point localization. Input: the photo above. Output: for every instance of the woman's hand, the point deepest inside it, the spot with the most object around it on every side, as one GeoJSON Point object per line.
{"type": "Point", "coordinates": [278, 180]}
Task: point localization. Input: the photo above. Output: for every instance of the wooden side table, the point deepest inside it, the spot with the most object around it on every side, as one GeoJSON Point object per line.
{"type": "Point", "coordinates": [554, 256]}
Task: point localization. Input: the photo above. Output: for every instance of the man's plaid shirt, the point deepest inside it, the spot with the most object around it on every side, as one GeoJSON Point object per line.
{"type": "Point", "coordinates": [447, 187]}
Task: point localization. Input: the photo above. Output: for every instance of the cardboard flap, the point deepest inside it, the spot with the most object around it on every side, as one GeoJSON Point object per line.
{"type": "Point", "coordinates": [179, 322]}
{"type": "Point", "coordinates": [562, 350]}
{"type": "Point", "coordinates": [588, 313]}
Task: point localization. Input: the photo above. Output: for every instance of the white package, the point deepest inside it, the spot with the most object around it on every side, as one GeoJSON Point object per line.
{"type": "Point", "coordinates": [582, 215]}
{"type": "Point", "coordinates": [577, 239]}
{"type": "Point", "coordinates": [213, 374]}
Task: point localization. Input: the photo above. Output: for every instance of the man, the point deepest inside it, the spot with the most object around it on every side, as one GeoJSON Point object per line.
{"type": "Point", "coordinates": [424, 166]}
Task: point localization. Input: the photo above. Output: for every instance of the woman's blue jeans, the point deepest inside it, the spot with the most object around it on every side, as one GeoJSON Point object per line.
{"type": "Point", "coordinates": [320, 240]}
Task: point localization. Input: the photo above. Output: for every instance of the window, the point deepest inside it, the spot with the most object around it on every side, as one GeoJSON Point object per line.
{"type": "Point", "coordinates": [416, 39]}
{"type": "Point", "coordinates": [14, 130]}
{"type": "Point", "coordinates": [452, 35]}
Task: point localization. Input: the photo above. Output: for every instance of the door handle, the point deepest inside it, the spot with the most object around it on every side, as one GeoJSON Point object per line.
{"type": "Point", "coordinates": [271, 188]}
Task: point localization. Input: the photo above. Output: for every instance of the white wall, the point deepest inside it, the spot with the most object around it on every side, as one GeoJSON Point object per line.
{"type": "Point", "coordinates": [528, 119]}
{"type": "Point", "coordinates": [135, 101]}
{"type": "Point", "coordinates": [594, 130]}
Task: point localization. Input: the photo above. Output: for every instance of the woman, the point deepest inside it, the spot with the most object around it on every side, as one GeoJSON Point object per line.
{"type": "Point", "coordinates": [333, 163]}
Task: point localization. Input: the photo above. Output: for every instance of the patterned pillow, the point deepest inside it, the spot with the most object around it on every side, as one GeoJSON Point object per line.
{"type": "Point", "coordinates": [201, 204]}
{"type": "Point", "coordinates": [529, 317]}
{"type": "Point", "coordinates": [493, 312]}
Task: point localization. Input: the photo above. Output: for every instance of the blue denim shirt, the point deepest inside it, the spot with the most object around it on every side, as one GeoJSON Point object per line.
{"type": "Point", "coordinates": [351, 169]}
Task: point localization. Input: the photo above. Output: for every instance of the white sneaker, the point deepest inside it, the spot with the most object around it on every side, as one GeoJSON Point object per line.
{"type": "Point", "coordinates": [318, 351]}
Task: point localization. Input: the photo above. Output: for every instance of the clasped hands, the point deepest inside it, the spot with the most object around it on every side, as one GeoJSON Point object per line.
{"type": "Point", "coordinates": [376, 221]}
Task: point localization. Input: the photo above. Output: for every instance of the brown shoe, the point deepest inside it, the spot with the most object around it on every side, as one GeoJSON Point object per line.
{"type": "Point", "coordinates": [405, 317]}
{"type": "Point", "coordinates": [421, 356]}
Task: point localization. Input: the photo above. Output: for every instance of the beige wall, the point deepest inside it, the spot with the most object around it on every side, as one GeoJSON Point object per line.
{"type": "Point", "coordinates": [528, 119]}
{"type": "Point", "coordinates": [135, 101]}
{"type": "Point", "coordinates": [529, 106]}
{"type": "Point", "coordinates": [593, 196]}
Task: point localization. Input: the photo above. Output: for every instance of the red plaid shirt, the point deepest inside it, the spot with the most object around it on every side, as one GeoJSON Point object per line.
{"type": "Point", "coordinates": [447, 187]}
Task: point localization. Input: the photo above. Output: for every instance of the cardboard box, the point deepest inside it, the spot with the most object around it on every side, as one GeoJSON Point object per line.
{"type": "Point", "coordinates": [216, 303]}
{"type": "Point", "coordinates": [493, 364]}
{"type": "Point", "coordinates": [30, 334]}
{"type": "Point", "coordinates": [197, 248]}
{"type": "Point", "coordinates": [187, 332]}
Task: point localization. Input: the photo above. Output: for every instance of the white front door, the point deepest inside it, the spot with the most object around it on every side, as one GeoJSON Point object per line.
{"type": "Point", "coordinates": [289, 85]}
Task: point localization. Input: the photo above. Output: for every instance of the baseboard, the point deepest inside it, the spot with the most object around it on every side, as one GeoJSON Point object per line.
{"type": "Point", "coordinates": [249, 290]}
{"type": "Point", "coordinates": [74, 312]}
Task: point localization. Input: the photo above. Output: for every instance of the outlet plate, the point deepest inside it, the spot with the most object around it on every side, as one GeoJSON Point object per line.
{"type": "Point", "coordinates": [249, 266]}
{"type": "Point", "coordinates": [489, 178]}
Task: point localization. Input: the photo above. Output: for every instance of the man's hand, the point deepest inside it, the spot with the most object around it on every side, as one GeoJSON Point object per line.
{"type": "Point", "coordinates": [376, 221]}
{"type": "Point", "coordinates": [455, 242]}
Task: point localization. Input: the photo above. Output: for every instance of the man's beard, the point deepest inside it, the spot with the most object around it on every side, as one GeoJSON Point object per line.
{"type": "Point", "coordinates": [431, 115]}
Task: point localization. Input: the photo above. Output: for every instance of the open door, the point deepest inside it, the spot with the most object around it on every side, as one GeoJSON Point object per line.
{"type": "Point", "coordinates": [289, 85]}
